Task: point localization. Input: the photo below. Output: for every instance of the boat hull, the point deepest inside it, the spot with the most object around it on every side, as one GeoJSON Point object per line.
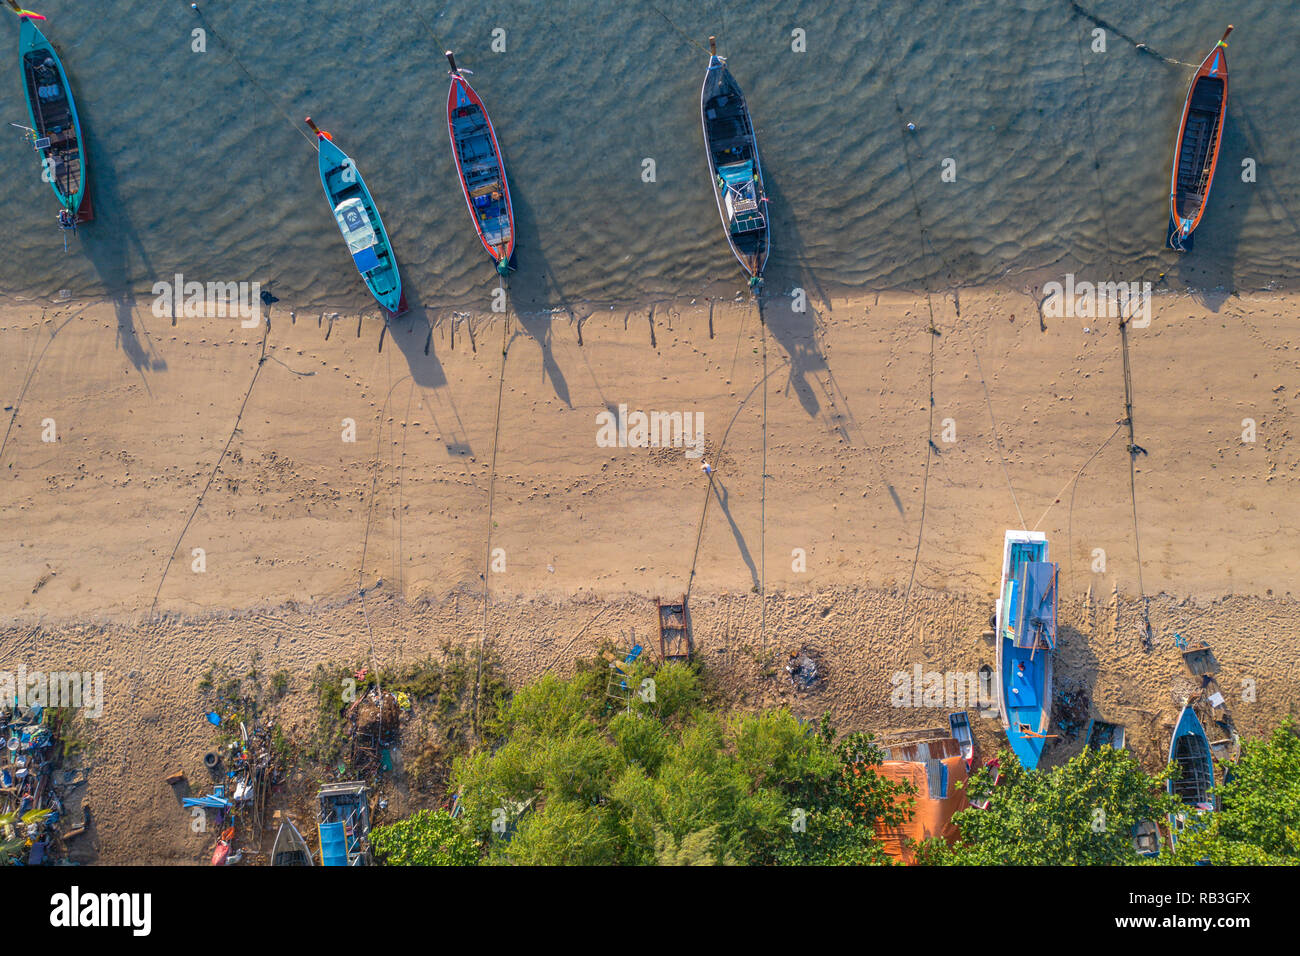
{"type": "Point", "coordinates": [1189, 751]}
{"type": "Point", "coordinates": [729, 138]}
{"type": "Point", "coordinates": [1024, 677]}
{"type": "Point", "coordinates": [343, 181]}
{"type": "Point", "coordinates": [482, 172]}
{"type": "Point", "coordinates": [290, 849]}
{"type": "Point", "coordinates": [1196, 150]}
{"type": "Point", "coordinates": [53, 115]}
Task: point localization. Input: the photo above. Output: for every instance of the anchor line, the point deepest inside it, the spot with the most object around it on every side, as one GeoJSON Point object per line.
{"type": "Point", "coordinates": [266, 331]}
{"type": "Point", "coordinates": [492, 474]}
{"type": "Point", "coordinates": [234, 58]}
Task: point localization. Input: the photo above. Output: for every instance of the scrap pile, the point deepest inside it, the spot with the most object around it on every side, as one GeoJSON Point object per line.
{"type": "Point", "coordinates": [374, 723]}
{"type": "Point", "coordinates": [238, 804]}
{"type": "Point", "coordinates": [34, 787]}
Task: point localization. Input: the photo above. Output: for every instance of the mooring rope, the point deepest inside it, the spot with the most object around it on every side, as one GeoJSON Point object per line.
{"type": "Point", "coordinates": [492, 475]}
{"type": "Point", "coordinates": [684, 35]}
{"type": "Point", "coordinates": [1133, 448]}
{"type": "Point", "coordinates": [234, 58]}
{"type": "Point", "coordinates": [266, 331]}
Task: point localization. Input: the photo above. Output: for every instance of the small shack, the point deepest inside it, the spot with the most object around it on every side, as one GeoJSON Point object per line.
{"type": "Point", "coordinates": [932, 761]}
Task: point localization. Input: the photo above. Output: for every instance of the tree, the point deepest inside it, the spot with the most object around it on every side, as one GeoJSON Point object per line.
{"type": "Point", "coordinates": [1259, 817]}
{"type": "Point", "coordinates": [425, 838]}
{"type": "Point", "coordinates": [667, 778]}
{"type": "Point", "coordinates": [1080, 813]}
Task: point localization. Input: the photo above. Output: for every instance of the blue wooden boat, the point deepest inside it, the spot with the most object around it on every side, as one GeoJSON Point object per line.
{"type": "Point", "coordinates": [55, 129]}
{"type": "Point", "coordinates": [959, 724]}
{"type": "Point", "coordinates": [734, 167]}
{"type": "Point", "coordinates": [1025, 635]}
{"type": "Point", "coordinates": [358, 219]}
{"type": "Point", "coordinates": [1189, 751]}
{"type": "Point", "coordinates": [482, 172]}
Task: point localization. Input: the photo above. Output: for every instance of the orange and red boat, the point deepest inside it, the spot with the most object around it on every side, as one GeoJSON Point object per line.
{"type": "Point", "coordinates": [1197, 150]}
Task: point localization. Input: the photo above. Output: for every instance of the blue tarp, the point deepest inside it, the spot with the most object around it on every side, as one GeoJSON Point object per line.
{"type": "Point", "coordinates": [366, 259]}
{"type": "Point", "coordinates": [216, 800]}
{"type": "Point", "coordinates": [333, 845]}
{"type": "Point", "coordinates": [737, 174]}
{"type": "Point", "coordinates": [1037, 599]}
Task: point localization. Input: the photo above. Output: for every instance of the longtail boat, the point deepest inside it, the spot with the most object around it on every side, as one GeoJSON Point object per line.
{"type": "Point", "coordinates": [358, 219]}
{"type": "Point", "coordinates": [1197, 150]}
{"type": "Point", "coordinates": [1025, 634]}
{"type": "Point", "coordinates": [734, 168]}
{"type": "Point", "coordinates": [1189, 751]}
{"type": "Point", "coordinates": [55, 129]}
{"type": "Point", "coordinates": [477, 155]}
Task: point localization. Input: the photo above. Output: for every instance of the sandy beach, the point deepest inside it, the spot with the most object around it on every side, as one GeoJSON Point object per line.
{"type": "Point", "coordinates": [878, 534]}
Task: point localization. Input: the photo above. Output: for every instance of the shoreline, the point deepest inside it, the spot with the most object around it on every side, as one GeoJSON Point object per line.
{"type": "Point", "coordinates": [143, 411]}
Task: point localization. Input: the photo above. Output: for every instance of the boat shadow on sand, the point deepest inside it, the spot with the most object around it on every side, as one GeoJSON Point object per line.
{"type": "Point", "coordinates": [108, 243]}
{"type": "Point", "coordinates": [412, 335]}
{"type": "Point", "coordinates": [796, 332]}
{"type": "Point", "coordinates": [534, 292]}
{"type": "Point", "coordinates": [1075, 672]}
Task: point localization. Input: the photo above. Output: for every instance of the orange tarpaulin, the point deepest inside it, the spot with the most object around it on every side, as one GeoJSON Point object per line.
{"type": "Point", "coordinates": [931, 816]}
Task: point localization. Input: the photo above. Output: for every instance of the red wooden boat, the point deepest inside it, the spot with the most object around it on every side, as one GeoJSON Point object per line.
{"type": "Point", "coordinates": [1197, 150]}
{"type": "Point", "coordinates": [482, 173]}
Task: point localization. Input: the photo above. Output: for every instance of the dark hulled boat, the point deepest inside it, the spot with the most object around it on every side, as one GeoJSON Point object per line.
{"type": "Point", "coordinates": [734, 166]}
{"type": "Point", "coordinates": [482, 172]}
{"type": "Point", "coordinates": [1189, 752]}
{"type": "Point", "coordinates": [56, 130]}
{"type": "Point", "coordinates": [1197, 150]}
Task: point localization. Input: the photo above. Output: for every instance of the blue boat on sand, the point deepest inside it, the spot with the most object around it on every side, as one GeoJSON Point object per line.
{"type": "Point", "coordinates": [358, 219]}
{"type": "Point", "coordinates": [1025, 634]}
{"type": "Point", "coordinates": [1189, 751]}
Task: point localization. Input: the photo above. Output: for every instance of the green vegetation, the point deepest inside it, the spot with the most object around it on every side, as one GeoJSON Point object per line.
{"type": "Point", "coordinates": [1081, 813]}
{"type": "Point", "coordinates": [650, 771]}
{"type": "Point", "coordinates": [1258, 822]}
{"type": "Point", "coordinates": [443, 697]}
{"type": "Point", "coordinates": [654, 775]}
{"type": "Point", "coordinates": [425, 838]}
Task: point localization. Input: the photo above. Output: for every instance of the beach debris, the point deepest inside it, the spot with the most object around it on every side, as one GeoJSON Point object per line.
{"type": "Point", "coordinates": [675, 642]}
{"type": "Point", "coordinates": [803, 670]}
{"type": "Point", "coordinates": [33, 787]}
{"type": "Point", "coordinates": [1201, 661]}
{"type": "Point", "coordinates": [1070, 706]}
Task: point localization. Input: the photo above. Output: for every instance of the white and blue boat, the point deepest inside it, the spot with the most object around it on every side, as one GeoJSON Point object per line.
{"type": "Point", "coordinates": [1025, 622]}
{"type": "Point", "coordinates": [357, 217]}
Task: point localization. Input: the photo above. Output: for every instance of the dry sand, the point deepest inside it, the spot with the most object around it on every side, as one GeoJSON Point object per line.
{"type": "Point", "coordinates": [142, 411]}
